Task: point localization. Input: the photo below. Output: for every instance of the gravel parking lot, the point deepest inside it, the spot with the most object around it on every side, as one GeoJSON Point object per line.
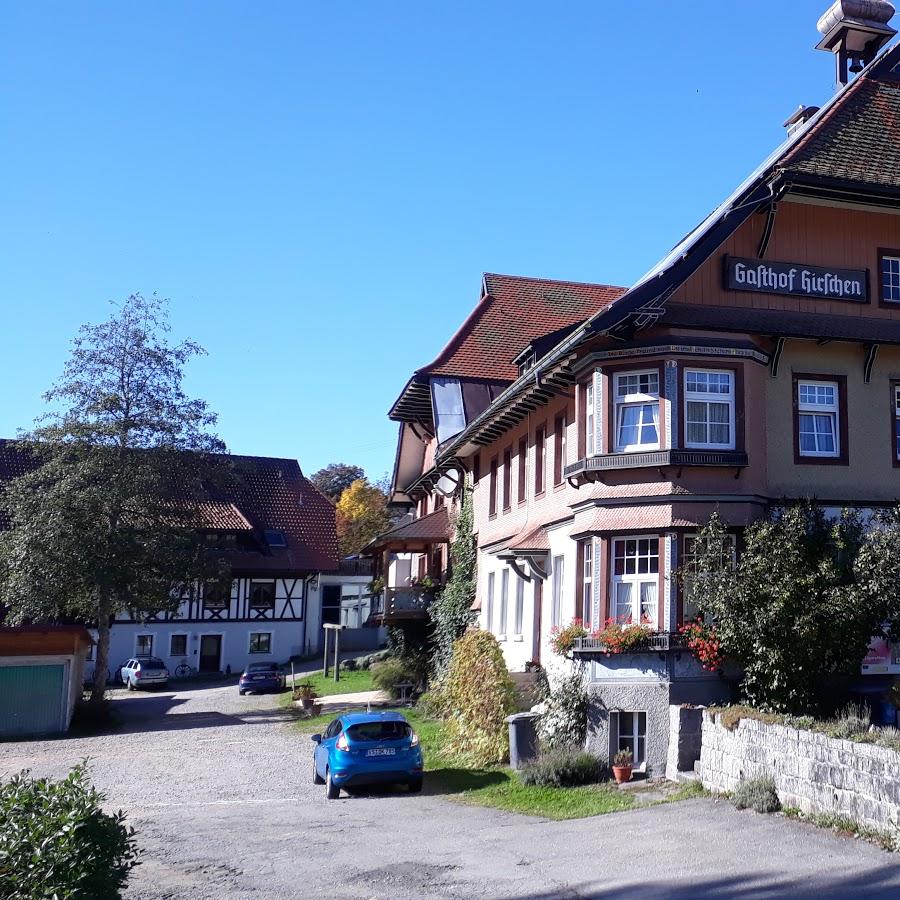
{"type": "Point", "coordinates": [220, 791]}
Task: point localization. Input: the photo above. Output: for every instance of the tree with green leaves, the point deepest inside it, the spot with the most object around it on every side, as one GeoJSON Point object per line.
{"type": "Point", "coordinates": [800, 605]}
{"type": "Point", "coordinates": [107, 520]}
{"type": "Point", "coordinates": [335, 478]}
{"type": "Point", "coordinates": [451, 613]}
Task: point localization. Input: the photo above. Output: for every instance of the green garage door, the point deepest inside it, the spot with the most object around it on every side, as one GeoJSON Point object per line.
{"type": "Point", "coordinates": [31, 699]}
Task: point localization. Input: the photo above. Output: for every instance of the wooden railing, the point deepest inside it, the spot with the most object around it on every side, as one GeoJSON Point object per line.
{"type": "Point", "coordinates": [406, 603]}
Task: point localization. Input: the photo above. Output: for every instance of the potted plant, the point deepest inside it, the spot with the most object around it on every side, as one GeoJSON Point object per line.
{"type": "Point", "coordinates": [305, 695]}
{"type": "Point", "coordinates": [622, 764]}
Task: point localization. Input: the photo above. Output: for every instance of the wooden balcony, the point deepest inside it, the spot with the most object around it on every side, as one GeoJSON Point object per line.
{"type": "Point", "coordinates": [403, 604]}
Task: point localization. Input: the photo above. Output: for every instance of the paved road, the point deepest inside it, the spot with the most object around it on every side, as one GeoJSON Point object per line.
{"type": "Point", "coordinates": [220, 791]}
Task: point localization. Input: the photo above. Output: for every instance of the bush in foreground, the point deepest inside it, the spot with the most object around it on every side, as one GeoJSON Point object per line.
{"type": "Point", "coordinates": [56, 841]}
{"type": "Point", "coordinates": [759, 794]}
{"type": "Point", "coordinates": [563, 767]}
{"type": "Point", "coordinates": [479, 695]}
{"type": "Point", "coordinates": [563, 722]}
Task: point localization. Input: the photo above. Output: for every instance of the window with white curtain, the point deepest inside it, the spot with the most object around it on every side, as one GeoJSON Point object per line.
{"type": "Point", "coordinates": [637, 411]}
{"type": "Point", "coordinates": [709, 409]}
{"type": "Point", "coordinates": [489, 604]}
{"type": "Point", "coordinates": [519, 618]}
{"type": "Point", "coordinates": [635, 580]}
{"type": "Point", "coordinates": [504, 601]}
{"type": "Point", "coordinates": [817, 417]}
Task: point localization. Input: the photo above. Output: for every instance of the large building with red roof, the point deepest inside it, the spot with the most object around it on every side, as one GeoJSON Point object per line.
{"type": "Point", "coordinates": [758, 361]}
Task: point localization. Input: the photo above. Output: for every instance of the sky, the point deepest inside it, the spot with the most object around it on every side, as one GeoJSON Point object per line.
{"type": "Point", "coordinates": [318, 187]}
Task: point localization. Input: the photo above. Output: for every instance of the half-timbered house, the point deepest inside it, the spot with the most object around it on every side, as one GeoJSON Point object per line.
{"type": "Point", "coordinates": [277, 533]}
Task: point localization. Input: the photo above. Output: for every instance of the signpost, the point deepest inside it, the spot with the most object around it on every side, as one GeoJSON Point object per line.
{"type": "Point", "coordinates": [796, 280]}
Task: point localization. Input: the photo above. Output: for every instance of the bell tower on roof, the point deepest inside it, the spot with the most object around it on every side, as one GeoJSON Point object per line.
{"type": "Point", "coordinates": [854, 31]}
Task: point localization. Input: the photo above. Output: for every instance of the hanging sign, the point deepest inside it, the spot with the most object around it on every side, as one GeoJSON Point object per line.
{"type": "Point", "coordinates": [797, 280]}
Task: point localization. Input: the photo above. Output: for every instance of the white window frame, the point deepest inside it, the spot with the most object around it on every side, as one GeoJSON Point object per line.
{"type": "Point", "coordinates": [636, 579]}
{"type": "Point", "coordinates": [710, 398]}
{"type": "Point", "coordinates": [689, 559]}
{"type": "Point", "coordinates": [590, 418]}
{"type": "Point", "coordinates": [556, 595]}
{"type": "Point", "coordinates": [251, 651]}
{"type": "Point", "coordinates": [187, 639]}
{"type": "Point", "coordinates": [889, 277]}
{"type": "Point", "coordinates": [627, 401]}
{"type": "Point", "coordinates": [504, 604]}
{"type": "Point", "coordinates": [489, 604]}
{"type": "Point", "coordinates": [896, 390]}
{"type": "Point", "coordinates": [519, 615]}
{"type": "Point", "coordinates": [587, 583]}
{"type": "Point", "coordinates": [635, 736]}
{"type": "Point", "coordinates": [832, 410]}
{"type": "Point", "coordinates": [145, 634]}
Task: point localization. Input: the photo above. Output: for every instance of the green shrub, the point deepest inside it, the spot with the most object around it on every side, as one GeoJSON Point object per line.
{"type": "Point", "coordinates": [480, 695]}
{"type": "Point", "coordinates": [563, 767]}
{"type": "Point", "coordinates": [851, 721]}
{"type": "Point", "coordinates": [564, 720]}
{"type": "Point", "coordinates": [56, 841]}
{"type": "Point", "coordinates": [759, 794]}
{"type": "Point", "coordinates": [350, 665]}
{"type": "Point", "coordinates": [389, 673]}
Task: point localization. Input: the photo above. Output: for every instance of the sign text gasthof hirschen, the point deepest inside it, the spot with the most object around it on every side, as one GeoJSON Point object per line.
{"type": "Point", "coordinates": [818, 282]}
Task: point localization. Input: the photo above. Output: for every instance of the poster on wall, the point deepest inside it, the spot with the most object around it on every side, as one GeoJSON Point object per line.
{"type": "Point", "coordinates": [883, 658]}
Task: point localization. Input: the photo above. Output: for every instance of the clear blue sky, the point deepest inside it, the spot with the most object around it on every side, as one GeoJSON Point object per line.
{"type": "Point", "coordinates": [317, 187]}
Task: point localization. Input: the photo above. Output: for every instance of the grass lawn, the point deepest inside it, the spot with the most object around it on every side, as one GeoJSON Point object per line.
{"type": "Point", "coordinates": [350, 683]}
{"type": "Point", "coordinates": [496, 787]}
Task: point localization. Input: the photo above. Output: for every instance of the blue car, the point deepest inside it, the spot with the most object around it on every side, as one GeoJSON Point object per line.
{"type": "Point", "coordinates": [261, 677]}
{"type": "Point", "coordinates": [367, 748]}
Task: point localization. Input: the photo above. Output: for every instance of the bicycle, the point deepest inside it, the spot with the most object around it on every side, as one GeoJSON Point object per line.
{"type": "Point", "coordinates": [184, 670]}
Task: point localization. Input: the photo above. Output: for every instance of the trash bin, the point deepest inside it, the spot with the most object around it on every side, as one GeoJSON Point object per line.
{"type": "Point", "coordinates": [523, 742]}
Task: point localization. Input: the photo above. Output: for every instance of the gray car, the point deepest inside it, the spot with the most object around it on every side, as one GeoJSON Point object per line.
{"type": "Point", "coordinates": [144, 671]}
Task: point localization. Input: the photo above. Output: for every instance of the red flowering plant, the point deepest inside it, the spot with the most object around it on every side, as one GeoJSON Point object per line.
{"type": "Point", "coordinates": [563, 640]}
{"type": "Point", "coordinates": [703, 642]}
{"type": "Point", "coordinates": [624, 636]}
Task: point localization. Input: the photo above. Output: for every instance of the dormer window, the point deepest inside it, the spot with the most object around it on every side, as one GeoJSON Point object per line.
{"type": "Point", "coordinates": [275, 538]}
{"type": "Point", "coordinates": [637, 411]}
{"type": "Point", "coordinates": [527, 362]}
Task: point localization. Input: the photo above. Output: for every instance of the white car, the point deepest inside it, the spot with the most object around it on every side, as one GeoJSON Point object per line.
{"type": "Point", "coordinates": [144, 671]}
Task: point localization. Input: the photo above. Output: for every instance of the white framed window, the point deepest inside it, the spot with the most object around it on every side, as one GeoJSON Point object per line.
{"type": "Point", "coordinates": [692, 550]}
{"type": "Point", "coordinates": [709, 409]}
{"type": "Point", "coordinates": [143, 644]}
{"type": "Point", "coordinates": [489, 604]}
{"type": "Point", "coordinates": [818, 418]}
{"type": "Point", "coordinates": [519, 618]}
{"type": "Point", "coordinates": [890, 279]}
{"type": "Point", "coordinates": [260, 642]}
{"type": "Point", "coordinates": [559, 570]}
{"type": "Point", "coordinates": [504, 601]}
{"type": "Point", "coordinates": [587, 582]}
{"type": "Point", "coordinates": [635, 587]}
{"type": "Point", "coordinates": [637, 411]}
{"type": "Point", "coordinates": [896, 389]}
{"type": "Point", "coordinates": [633, 736]}
{"type": "Point", "coordinates": [589, 419]}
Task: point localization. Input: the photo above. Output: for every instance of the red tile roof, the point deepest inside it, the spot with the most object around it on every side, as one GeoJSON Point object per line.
{"type": "Point", "coordinates": [531, 540]}
{"type": "Point", "coordinates": [431, 529]}
{"type": "Point", "coordinates": [858, 139]}
{"type": "Point", "coordinates": [514, 310]}
{"type": "Point", "coordinates": [269, 494]}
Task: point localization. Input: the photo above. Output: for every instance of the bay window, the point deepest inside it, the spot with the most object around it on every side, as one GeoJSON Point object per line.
{"type": "Point", "coordinates": [587, 582]}
{"type": "Point", "coordinates": [489, 604]}
{"type": "Point", "coordinates": [504, 601]}
{"type": "Point", "coordinates": [589, 419]}
{"type": "Point", "coordinates": [694, 548]}
{"type": "Point", "coordinates": [636, 411]}
{"type": "Point", "coordinates": [709, 409]}
{"type": "Point", "coordinates": [520, 607]}
{"type": "Point", "coordinates": [557, 595]}
{"type": "Point", "coordinates": [818, 419]}
{"type": "Point", "coordinates": [635, 585]}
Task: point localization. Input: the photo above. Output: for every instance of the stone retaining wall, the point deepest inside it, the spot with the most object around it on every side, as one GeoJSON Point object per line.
{"type": "Point", "coordinates": [812, 771]}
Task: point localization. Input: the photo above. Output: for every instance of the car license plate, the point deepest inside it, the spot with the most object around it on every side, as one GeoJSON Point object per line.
{"type": "Point", "coordinates": [259, 677]}
{"type": "Point", "coordinates": [381, 751]}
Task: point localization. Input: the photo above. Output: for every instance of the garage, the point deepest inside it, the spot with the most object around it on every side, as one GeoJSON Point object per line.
{"type": "Point", "coordinates": [41, 671]}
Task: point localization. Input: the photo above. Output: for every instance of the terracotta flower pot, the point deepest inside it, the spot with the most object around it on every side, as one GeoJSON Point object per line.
{"type": "Point", "coordinates": [622, 773]}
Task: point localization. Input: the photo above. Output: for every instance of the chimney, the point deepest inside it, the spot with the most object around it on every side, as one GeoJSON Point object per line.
{"type": "Point", "coordinates": [854, 31]}
{"type": "Point", "coordinates": [799, 118]}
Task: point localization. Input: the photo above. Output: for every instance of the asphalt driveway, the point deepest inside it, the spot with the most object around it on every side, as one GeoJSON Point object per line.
{"type": "Point", "coordinates": [220, 791]}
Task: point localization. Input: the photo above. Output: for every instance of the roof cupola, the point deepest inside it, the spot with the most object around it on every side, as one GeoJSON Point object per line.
{"type": "Point", "coordinates": [854, 31]}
